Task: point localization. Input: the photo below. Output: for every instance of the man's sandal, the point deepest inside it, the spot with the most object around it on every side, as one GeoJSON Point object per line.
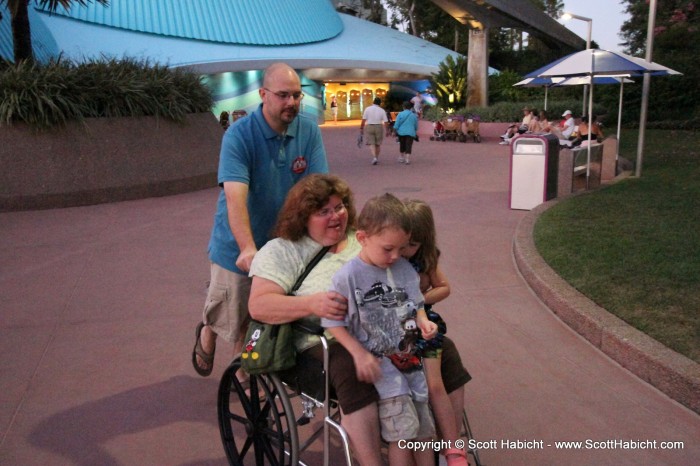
{"type": "Point", "coordinates": [199, 351]}
{"type": "Point", "coordinates": [456, 457]}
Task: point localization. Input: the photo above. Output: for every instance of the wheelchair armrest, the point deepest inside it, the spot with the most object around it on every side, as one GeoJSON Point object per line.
{"type": "Point", "coordinates": [306, 327]}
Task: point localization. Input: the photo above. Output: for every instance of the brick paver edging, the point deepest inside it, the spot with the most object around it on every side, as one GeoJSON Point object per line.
{"type": "Point", "coordinates": [674, 374]}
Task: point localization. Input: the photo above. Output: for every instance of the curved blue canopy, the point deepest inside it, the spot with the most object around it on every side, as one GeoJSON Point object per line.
{"type": "Point", "coordinates": [252, 22]}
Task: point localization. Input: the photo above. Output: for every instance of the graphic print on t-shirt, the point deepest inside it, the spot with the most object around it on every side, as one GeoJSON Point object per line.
{"type": "Point", "coordinates": [387, 321]}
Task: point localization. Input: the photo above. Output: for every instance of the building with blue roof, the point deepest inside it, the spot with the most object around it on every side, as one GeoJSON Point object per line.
{"type": "Point", "coordinates": [231, 42]}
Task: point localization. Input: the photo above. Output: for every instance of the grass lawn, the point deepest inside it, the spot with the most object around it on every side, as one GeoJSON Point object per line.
{"type": "Point", "coordinates": [634, 247]}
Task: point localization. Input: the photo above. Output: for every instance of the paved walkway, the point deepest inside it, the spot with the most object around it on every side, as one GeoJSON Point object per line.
{"type": "Point", "coordinates": [99, 306]}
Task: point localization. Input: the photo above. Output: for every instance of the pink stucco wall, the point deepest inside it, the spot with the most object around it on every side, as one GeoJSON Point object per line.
{"type": "Point", "coordinates": [106, 160]}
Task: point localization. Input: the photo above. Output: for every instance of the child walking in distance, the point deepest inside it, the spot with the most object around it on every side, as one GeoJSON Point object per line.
{"type": "Point", "coordinates": [422, 253]}
{"type": "Point", "coordinates": [384, 321]}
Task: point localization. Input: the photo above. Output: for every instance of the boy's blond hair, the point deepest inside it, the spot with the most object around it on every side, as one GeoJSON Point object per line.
{"type": "Point", "coordinates": [381, 212]}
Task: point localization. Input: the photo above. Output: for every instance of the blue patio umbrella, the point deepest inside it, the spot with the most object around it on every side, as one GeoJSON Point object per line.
{"type": "Point", "coordinates": [596, 62]}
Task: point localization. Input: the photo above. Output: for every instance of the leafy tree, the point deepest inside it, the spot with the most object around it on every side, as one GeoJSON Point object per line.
{"type": "Point", "coordinates": [501, 87]}
{"type": "Point", "coordinates": [553, 8]}
{"type": "Point", "coordinates": [450, 83]}
{"type": "Point", "coordinates": [376, 10]}
{"type": "Point", "coordinates": [21, 32]}
{"type": "Point", "coordinates": [676, 45]}
{"type": "Point", "coordinates": [428, 21]}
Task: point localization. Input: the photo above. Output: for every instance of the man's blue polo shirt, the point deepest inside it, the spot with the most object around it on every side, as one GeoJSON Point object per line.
{"type": "Point", "coordinates": [270, 164]}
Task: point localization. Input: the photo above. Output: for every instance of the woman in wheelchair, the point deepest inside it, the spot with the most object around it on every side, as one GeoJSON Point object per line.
{"type": "Point", "coordinates": [319, 211]}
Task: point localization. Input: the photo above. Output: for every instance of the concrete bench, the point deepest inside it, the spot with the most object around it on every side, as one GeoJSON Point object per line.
{"type": "Point", "coordinates": [573, 164]}
{"type": "Point", "coordinates": [610, 169]}
{"type": "Point", "coordinates": [580, 162]}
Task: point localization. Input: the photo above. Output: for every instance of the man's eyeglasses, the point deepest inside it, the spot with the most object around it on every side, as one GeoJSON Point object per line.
{"type": "Point", "coordinates": [328, 211]}
{"type": "Point", "coordinates": [283, 95]}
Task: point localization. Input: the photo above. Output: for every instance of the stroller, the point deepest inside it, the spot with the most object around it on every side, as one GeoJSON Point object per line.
{"type": "Point", "coordinates": [470, 127]}
{"type": "Point", "coordinates": [438, 132]}
{"type": "Point", "coordinates": [449, 128]}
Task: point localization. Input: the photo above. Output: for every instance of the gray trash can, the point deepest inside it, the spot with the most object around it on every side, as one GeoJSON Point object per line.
{"type": "Point", "coordinates": [534, 167]}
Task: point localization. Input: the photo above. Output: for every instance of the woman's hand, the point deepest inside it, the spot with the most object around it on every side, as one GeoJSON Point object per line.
{"type": "Point", "coordinates": [366, 366]}
{"type": "Point", "coordinates": [329, 305]}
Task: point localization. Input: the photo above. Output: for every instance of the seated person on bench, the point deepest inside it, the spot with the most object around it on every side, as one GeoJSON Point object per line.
{"type": "Point", "coordinates": [319, 211]}
{"type": "Point", "coordinates": [566, 129]}
{"type": "Point", "coordinates": [541, 125]}
{"type": "Point", "coordinates": [596, 132]}
{"type": "Point", "coordinates": [515, 129]}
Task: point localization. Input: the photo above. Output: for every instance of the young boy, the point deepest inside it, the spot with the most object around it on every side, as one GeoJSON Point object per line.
{"type": "Point", "coordinates": [385, 316]}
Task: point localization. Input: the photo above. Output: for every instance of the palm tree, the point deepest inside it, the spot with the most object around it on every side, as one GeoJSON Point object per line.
{"type": "Point", "coordinates": [21, 32]}
{"type": "Point", "coordinates": [451, 82]}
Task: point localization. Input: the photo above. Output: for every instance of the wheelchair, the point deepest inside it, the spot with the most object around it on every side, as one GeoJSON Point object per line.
{"type": "Point", "coordinates": [261, 426]}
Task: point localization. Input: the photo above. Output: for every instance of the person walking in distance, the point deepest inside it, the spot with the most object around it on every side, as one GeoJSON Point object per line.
{"type": "Point", "coordinates": [417, 102]}
{"type": "Point", "coordinates": [406, 127]}
{"type": "Point", "coordinates": [334, 109]}
{"type": "Point", "coordinates": [374, 118]}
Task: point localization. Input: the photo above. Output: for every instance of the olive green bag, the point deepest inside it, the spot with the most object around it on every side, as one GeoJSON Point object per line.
{"type": "Point", "coordinates": [270, 347]}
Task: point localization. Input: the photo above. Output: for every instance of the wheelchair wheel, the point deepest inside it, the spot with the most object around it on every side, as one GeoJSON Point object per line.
{"type": "Point", "coordinates": [256, 428]}
{"type": "Point", "coordinates": [467, 430]}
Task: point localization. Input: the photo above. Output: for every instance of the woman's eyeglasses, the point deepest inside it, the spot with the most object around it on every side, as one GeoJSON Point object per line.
{"type": "Point", "coordinates": [328, 211]}
{"type": "Point", "coordinates": [283, 95]}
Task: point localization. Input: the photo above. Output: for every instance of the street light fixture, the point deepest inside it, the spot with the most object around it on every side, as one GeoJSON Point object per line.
{"type": "Point", "coordinates": [567, 16]}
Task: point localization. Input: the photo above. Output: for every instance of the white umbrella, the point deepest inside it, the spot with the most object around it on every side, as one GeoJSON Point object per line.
{"type": "Point", "coordinates": [540, 82]}
{"type": "Point", "coordinates": [596, 62]}
{"type": "Point", "coordinates": [562, 81]}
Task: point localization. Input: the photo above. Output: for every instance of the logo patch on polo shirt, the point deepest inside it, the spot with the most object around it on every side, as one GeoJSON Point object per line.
{"type": "Point", "coordinates": [299, 165]}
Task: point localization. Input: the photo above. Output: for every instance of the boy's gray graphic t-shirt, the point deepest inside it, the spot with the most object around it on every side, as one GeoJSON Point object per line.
{"type": "Point", "coordinates": [382, 305]}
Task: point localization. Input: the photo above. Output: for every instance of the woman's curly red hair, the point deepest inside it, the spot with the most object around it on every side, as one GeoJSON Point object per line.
{"type": "Point", "coordinates": [308, 196]}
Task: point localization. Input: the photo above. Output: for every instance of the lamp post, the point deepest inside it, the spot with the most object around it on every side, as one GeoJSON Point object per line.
{"type": "Point", "coordinates": [645, 90]}
{"type": "Point", "coordinates": [567, 16]}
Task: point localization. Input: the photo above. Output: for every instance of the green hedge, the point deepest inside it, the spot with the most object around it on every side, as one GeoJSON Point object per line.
{"type": "Point", "coordinates": [45, 96]}
{"type": "Point", "coordinates": [505, 112]}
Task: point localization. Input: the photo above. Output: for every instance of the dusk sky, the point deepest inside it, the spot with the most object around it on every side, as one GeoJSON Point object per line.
{"type": "Point", "coordinates": [607, 16]}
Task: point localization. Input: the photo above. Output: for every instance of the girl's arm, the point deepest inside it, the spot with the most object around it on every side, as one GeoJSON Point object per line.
{"type": "Point", "coordinates": [366, 365]}
{"type": "Point", "coordinates": [427, 328]}
{"type": "Point", "coordinates": [439, 287]}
